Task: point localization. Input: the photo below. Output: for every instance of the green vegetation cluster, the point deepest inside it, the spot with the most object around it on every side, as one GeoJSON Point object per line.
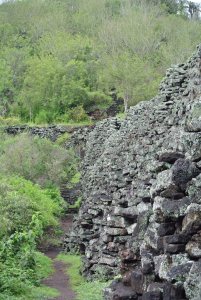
{"type": "Point", "coordinates": [32, 170]}
{"type": "Point", "coordinates": [38, 160]}
{"type": "Point", "coordinates": [60, 60]}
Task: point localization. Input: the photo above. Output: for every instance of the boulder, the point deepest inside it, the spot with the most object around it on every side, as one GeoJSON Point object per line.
{"type": "Point", "coordinates": [193, 123]}
{"type": "Point", "coordinates": [170, 157]}
{"type": "Point", "coordinates": [192, 220]}
{"type": "Point", "coordinates": [183, 171]}
{"type": "Point", "coordinates": [169, 210]}
{"type": "Point", "coordinates": [118, 291]}
{"type": "Point", "coordinates": [193, 247]}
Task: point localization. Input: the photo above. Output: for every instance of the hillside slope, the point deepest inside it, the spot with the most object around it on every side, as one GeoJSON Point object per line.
{"type": "Point", "coordinates": [73, 61]}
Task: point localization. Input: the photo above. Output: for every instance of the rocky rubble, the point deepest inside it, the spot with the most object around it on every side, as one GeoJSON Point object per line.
{"type": "Point", "coordinates": [141, 215]}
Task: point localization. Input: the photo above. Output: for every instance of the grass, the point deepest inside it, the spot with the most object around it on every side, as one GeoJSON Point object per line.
{"type": "Point", "coordinates": [76, 178]}
{"type": "Point", "coordinates": [77, 204]}
{"type": "Point", "coordinates": [36, 293]}
{"type": "Point", "coordinates": [44, 266]}
{"type": "Point", "coordinates": [121, 116]}
{"type": "Point", "coordinates": [84, 290]}
{"type": "Point", "coordinates": [12, 121]}
{"type": "Point", "coordinates": [44, 269]}
{"type": "Point", "coordinates": [42, 293]}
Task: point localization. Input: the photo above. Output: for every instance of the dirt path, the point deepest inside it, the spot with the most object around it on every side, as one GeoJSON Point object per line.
{"type": "Point", "coordinates": [59, 280]}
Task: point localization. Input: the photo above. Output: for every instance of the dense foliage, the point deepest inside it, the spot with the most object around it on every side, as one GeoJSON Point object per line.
{"type": "Point", "coordinates": [20, 200]}
{"type": "Point", "coordinates": [60, 59]}
{"type": "Point", "coordinates": [36, 159]}
{"type": "Point", "coordinates": [26, 211]}
{"type": "Point", "coordinates": [30, 204]}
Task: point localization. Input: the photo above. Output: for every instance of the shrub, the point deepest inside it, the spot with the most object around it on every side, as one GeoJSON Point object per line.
{"type": "Point", "coordinates": [9, 121]}
{"type": "Point", "coordinates": [99, 100]}
{"type": "Point", "coordinates": [20, 199]}
{"type": "Point", "coordinates": [26, 211]}
{"type": "Point", "coordinates": [62, 139]}
{"type": "Point", "coordinates": [78, 114]}
{"type": "Point", "coordinates": [22, 267]}
{"type": "Point", "coordinates": [44, 117]}
{"type": "Point", "coordinates": [17, 258]}
{"type": "Point", "coordinates": [76, 178]}
{"type": "Point", "coordinates": [77, 203]}
{"type": "Point", "coordinates": [36, 159]}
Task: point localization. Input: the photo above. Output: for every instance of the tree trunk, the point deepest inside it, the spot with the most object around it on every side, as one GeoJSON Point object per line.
{"type": "Point", "coordinates": [126, 99]}
{"type": "Point", "coordinates": [30, 114]}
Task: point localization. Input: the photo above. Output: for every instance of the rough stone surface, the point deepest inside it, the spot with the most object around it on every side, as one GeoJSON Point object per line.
{"type": "Point", "coordinates": [142, 194]}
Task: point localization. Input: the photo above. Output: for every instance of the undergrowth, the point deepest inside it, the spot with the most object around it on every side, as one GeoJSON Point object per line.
{"type": "Point", "coordinates": [30, 208]}
{"type": "Point", "coordinates": [76, 178]}
{"type": "Point", "coordinates": [21, 267]}
{"type": "Point", "coordinates": [44, 269]}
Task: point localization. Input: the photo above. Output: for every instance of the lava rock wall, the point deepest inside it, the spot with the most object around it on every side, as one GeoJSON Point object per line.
{"type": "Point", "coordinates": [141, 214]}
{"type": "Point", "coordinates": [53, 132]}
{"type": "Point", "coordinates": [76, 136]}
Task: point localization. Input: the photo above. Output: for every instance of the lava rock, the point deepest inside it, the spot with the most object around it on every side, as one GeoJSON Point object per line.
{"type": "Point", "coordinates": [193, 248]}
{"type": "Point", "coordinates": [118, 291]}
{"type": "Point", "coordinates": [183, 171]}
{"type": "Point", "coordinates": [170, 157]}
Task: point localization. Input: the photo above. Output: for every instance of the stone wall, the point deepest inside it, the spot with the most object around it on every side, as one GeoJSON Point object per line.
{"type": "Point", "coordinates": [78, 140]}
{"type": "Point", "coordinates": [51, 132]}
{"type": "Point", "coordinates": [141, 214]}
{"type": "Point", "coordinates": [77, 135]}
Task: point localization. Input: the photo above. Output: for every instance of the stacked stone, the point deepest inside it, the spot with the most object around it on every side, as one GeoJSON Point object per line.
{"type": "Point", "coordinates": [83, 233]}
{"type": "Point", "coordinates": [78, 140]}
{"type": "Point", "coordinates": [52, 132]}
{"type": "Point", "coordinates": [141, 187]}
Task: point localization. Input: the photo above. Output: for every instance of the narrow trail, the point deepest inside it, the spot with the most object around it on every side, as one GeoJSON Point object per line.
{"type": "Point", "coordinates": [59, 280]}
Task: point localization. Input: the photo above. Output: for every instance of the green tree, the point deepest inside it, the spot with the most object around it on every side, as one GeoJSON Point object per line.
{"type": "Point", "coordinates": [40, 86]}
{"type": "Point", "coordinates": [132, 77]}
{"type": "Point", "coordinates": [54, 54]}
{"type": "Point", "coordinates": [6, 87]}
